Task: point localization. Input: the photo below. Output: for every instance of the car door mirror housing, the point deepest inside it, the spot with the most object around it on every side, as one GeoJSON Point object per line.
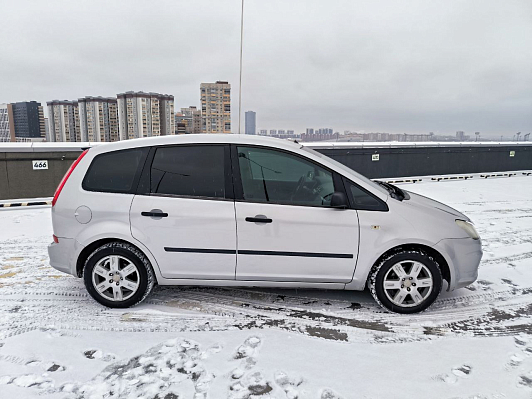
{"type": "Point", "coordinates": [339, 200]}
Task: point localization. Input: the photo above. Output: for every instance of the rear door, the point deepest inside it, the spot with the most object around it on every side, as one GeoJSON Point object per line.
{"type": "Point", "coordinates": [185, 211]}
{"type": "Point", "coordinates": [287, 230]}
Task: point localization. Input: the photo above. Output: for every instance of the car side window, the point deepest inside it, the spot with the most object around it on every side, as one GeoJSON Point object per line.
{"type": "Point", "coordinates": [114, 172]}
{"type": "Point", "coordinates": [192, 171]}
{"type": "Point", "coordinates": [364, 200]}
{"type": "Point", "coordinates": [278, 177]}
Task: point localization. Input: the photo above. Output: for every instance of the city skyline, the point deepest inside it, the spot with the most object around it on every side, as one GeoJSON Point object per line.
{"type": "Point", "coordinates": [107, 119]}
{"type": "Point", "coordinates": [363, 66]}
{"type": "Point", "coordinates": [506, 135]}
{"type": "Point", "coordinates": [197, 121]}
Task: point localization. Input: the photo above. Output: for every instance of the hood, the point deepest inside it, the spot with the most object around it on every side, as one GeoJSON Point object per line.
{"type": "Point", "coordinates": [420, 200]}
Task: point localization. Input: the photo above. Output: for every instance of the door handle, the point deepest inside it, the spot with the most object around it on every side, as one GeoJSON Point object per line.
{"type": "Point", "coordinates": [259, 219]}
{"type": "Point", "coordinates": [155, 213]}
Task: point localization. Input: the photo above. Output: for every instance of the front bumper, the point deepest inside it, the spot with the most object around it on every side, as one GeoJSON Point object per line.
{"type": "Point", "coordinates": [463, 256]}
{"type": "Point", "coordinates": [62, 255]}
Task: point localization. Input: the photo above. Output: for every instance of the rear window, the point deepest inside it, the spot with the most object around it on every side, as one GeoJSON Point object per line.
{"type": "Point", "coordinates": [192, 171]}
{"type": "Point", "coordinates": [114, 172]}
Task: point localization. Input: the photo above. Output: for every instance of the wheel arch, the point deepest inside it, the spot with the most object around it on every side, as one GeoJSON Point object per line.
{"type": "Point", "coordinates": [90, 248]}
{"type": "Point", "coordinates": [437, 256]}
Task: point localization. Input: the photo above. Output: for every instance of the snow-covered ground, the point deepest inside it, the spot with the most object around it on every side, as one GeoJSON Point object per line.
{"type": "Point", "coordinates": [476, 342]}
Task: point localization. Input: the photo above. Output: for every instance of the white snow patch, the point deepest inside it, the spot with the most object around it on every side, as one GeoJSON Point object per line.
{"type": "Point", "coordinates": [239, 343]}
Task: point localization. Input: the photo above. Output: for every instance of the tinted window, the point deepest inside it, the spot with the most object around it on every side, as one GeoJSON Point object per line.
{"type": "Point", "coordinates": [363, 200]}
{"type": "Point", "coordinates": [196, 171]}
{"type": "Point", "coordinates": [114, 172]}
{"type": "Point", "coordinates": [278, 177]}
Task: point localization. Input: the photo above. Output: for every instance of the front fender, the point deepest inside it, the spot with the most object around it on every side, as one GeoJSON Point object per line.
{"type": "Point", "coordinates": [366, 260]}
{"type": "Point", "coordinates": [380, 232]}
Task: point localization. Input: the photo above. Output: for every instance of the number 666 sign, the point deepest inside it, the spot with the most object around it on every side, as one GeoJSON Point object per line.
{"type": "Point", "coordinates": [38, 165]}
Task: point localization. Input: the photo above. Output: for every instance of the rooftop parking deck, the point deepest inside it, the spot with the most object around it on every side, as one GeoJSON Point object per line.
{"type": "Point", "coordinates": [230, 342]}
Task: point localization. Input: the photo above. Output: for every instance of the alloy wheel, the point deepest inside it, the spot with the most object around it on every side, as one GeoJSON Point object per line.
{"type": "Point", "coordinates": [408, 283]}
{"type": "Point", "coordinates": [115, 278]}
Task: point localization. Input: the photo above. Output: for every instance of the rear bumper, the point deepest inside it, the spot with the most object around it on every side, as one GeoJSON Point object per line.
{"type": "Point", "coordinates": [62, 255]}
{"type": "Point", "coordinates": [463, 256]}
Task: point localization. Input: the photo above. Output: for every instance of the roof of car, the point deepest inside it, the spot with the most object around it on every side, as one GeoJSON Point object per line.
{"type": "Point", "coordinates": [244, 139]}
{"type": "Point", "coordinates": [198, 139]}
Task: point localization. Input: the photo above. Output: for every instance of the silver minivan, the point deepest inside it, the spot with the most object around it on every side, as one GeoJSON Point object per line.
{"type": "Point", "coordinates": [232, 210]}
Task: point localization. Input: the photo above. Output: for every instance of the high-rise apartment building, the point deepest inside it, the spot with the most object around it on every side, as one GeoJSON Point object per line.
{"type": "Point", "coordinates": [7, 127]}
{"type": "Point", "coordinates": [63, 120]}
{"type": "Point", "coordinates": [98, 119]}
{"type": "Point", "coordinates": [181, 123]}
{"type": "Point", "coordinates": [461, 136]}
{"type": "Point", "coordinates": [47, 129]}
{"type": "Point", "coordinates": [29, 120]}
{"type": "Point", "coordinates": [216, 107]}
{"type": "Point", "coordinates": [145, 115]}
{"type": "Point", "coordinates": [319, 131]}
{"type": "Point", "coordinates": [251, 122]}
{"type": "Point", "coordinates": [191, 117]}
{"type": "Point", "coordinates": [42, 122]}
{"type": "Point", "coordinates": [166, 110]}
{"type": "Point", "coordinates": [23, 121]}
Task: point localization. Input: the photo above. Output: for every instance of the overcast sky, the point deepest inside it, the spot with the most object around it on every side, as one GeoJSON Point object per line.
{"type": "Point", "coordinates": [374, 66]}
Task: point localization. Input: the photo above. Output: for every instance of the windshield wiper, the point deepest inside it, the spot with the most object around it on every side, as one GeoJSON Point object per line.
{"type": "Point", "coordinates": [395, 192]}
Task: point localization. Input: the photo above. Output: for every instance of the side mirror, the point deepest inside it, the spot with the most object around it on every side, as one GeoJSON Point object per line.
{"type": "Point", "coordinates": [339, 200]}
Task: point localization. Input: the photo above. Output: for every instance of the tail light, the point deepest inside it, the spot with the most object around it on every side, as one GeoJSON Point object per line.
{"type": "Point", "coordinates": [66, 176]}
{"type": "Point", "coordinates": [56, 240]}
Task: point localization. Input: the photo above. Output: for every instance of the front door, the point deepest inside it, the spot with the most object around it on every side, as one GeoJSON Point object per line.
{"type": "Point", "coordinates": [186, 218]}
{"type": "Point", "coordinates": [287, 230]}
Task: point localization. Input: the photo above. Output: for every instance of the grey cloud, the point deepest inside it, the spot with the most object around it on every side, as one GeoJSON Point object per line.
{"type": "Point", "coordinates": [390, 66]}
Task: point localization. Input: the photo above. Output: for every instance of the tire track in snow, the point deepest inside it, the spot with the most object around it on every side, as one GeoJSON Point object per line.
{"type": "Point", "coordinates": [508, 259]}
{"type": "Point", "coordinates": [290, 314]}
{"type": "Point", "coordinates": [239, 308]}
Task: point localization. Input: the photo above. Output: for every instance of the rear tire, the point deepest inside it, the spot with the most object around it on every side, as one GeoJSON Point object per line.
{"type": "Point", "coordinates": [118, 275]}
{"type": "Point", "coordinates": [407, 281]}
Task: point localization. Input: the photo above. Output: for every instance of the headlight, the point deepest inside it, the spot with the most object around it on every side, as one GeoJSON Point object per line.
{"type": "Point", "coordinates": [469, 229]}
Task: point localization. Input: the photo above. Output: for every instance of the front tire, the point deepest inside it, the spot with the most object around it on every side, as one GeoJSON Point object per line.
{"type": "Point", "coordinates": [407, 281]}
{"type": "Point", "coordinates": [118, 275]}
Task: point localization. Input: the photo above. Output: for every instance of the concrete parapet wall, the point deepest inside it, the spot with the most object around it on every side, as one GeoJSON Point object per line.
{"type": "Point", "coordinates": [422, 160]}
{"type": "Point", "coordinates": [19, 180]}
